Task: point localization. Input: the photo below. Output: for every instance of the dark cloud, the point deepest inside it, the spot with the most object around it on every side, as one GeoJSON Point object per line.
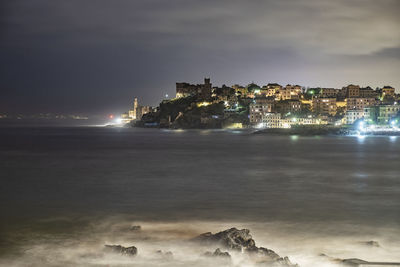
{"type": "Point", "coordinates": [95, 55]}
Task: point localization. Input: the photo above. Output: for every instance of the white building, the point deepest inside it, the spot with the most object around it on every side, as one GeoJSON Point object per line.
{"type": "Point", "coordinates": [352, 115]}
{"type": "Point", "coordinates": [257, 111]}
{"type": "Point", "coordinates": [272, 120]}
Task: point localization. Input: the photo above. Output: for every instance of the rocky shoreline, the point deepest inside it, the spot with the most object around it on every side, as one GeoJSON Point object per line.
{"type": "Point", "coordinates": [233, 240]}
{"type": "Point", "coordinates": [240, 242]}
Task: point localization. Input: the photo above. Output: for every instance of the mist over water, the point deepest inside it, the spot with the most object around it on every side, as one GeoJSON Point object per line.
{"type": "Point", "coordinates": [66, 192]}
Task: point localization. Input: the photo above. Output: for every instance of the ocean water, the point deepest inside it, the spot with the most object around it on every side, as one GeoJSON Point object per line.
{"type": "Point", "coordinates": [66, 192]}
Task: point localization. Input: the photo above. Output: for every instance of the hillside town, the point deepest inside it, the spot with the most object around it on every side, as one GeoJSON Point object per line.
{"type": "Point", "coordinates": [269, 106]}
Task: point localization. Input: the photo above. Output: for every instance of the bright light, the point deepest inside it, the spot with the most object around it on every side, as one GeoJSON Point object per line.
{"type": "Point", "coordinates": [361, 126]}
{"type": "Point", "coordinates": [111, 116]}
{"type": "Point", "coordinates": [260, 125]}
{"type": "Point", "coordinates": [203, 104]}
{"type": "Point", "coordinates": [119, 120]}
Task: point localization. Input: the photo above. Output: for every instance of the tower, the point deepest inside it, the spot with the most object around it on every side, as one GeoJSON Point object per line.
{"type": "Point", "coordinates": [133, 113]}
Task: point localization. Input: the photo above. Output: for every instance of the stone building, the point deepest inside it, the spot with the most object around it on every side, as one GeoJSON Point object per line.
{"type": "Point", "coordinates": [137, 111]}
{"type": "Point", "coordinates": [352, 91]}
{"type": "Point", "coordinates": [133, 113]}
{"type": "Point", "coordinates": [203, 91]}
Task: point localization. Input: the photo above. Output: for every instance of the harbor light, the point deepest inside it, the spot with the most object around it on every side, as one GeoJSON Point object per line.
{"type": "Point", "coordinates": [361, 126]}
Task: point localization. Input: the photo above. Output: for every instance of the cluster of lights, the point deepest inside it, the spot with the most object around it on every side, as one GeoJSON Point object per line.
{"type": "Point", "coordinates": [364, 127]}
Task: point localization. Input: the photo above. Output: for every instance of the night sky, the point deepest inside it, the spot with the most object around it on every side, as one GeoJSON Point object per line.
{"type": "Point", "coordinates": [94, 56]}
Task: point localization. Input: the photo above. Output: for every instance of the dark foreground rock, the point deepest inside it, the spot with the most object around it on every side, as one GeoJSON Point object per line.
{"type": "Point", "coordinates": [231, 239]}
{"type": "Point", "coordinates": [218, 253]}
{"type": "Point", "coordinates": [358, 262]}
{"type": "Point", "coordinates": [129, 251]}
{"type": "Point", "coordinates": [241, 240]}
{"type": "Point", "coordinates": [136, 228]}
{"type": "Point", "coordinates": [167, 254]}
{"type": "Point", "coordinates": [371, 243]}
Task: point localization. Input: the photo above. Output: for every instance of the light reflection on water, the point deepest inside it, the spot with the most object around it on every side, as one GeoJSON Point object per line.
{"type": "Point", "coordinates": [297, 194]}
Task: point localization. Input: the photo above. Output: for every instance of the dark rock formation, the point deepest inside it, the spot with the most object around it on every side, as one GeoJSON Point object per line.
{"type": "Point", "coordinates": [167, 254]}
{"type": "Point", "coordinates": [242, 240]}
{"type": "Point", "coordinates": [129, 251]}
{"type": "Point", "coordinates": [231, 239]}
{"type": "Point", "coordinates": [217, 253]}
{"type": "Point", "coordinates": [371, 243]}
{"type": "Point", "coordinates": [354, 262]}
{"type": "Point", "coordinates": [136, 228]}
{"type": "Point", "coordinates": [264, 252]}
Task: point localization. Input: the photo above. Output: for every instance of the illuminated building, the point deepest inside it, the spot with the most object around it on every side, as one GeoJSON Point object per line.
{"type": "Point", "coordinates": [307, 121]}
{"type": "Point", "coordinates": [352, 91]}
{"type": "Point", "coordinates": [203, 91]}
{"type": "Point", "coordinates": [275, 120]}
{"type": "Point", "coordinates": [324, 105]}
{"type": "Point", "coordinates": [224, 93]}
{"type": "Point", "coordinates": [136, 112]}
{"type": "Point", "coordinates": [240, 90]}
{"type": "Point", "coordinates": [133, 113]}
{"type": "Point", "coordinates": [329, 92]}
{"type": "Point", "coordinates": [368, 92]}
{"type": "Point", "coordinates": [381, 114]}
{"type": "Point", "coordinates": [273, 89]}
{"type": "Point", "coordinates": [272, 120]}
{"type": "Point", "coordinates": [258, 110]}
{"type": "Point", "coordinates": [388, 91]}
{"type": "Point", "coordinates": [288, 106]}
{"type": "Point", "coordinates": [352, 115]}
{"type": "Point", "coordinates": [289, 92]}
{"type": "Point", "coordinates": [144, 110]}
{"type": "Point", "coordinates": [359, 103]}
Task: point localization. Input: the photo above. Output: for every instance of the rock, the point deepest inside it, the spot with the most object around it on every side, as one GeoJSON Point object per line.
{"type": "Point", "coordinates": [353, 262]}
{"type": "Point", "coordinates": [371, 243]}
{"type": "Point", "coordinates": [358, 262]}
{"type": "Point", "coordinates": [267, 257]}
{"type": "Point", "coordinates": [285, 262]}
{"type": "Point", "coordinates": [231, 239]}
{"type": "Point", "coordinates": [129, 251]}
{"type": "Point", "coordinates": [242, 240]}
{"type": "Point", "coordinates": [136, 228]}
{"type": "Point", "coordinates": [217, 253]}
{"type": "Point", "coordinates": [264, 252]}
{"type": "Point", "coordinates": [167, 254]}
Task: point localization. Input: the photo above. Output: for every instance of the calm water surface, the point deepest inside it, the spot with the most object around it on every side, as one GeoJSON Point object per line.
{"type": "Point", "coordinates": [281, 184]}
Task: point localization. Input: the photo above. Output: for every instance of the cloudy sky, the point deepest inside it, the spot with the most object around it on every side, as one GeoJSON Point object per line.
{"type": "Point", "coordinates": [94, 56]}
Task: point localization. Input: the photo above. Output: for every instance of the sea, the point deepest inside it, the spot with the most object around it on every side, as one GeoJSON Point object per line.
{"type": "Point", "coordinates": [68, 191]}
